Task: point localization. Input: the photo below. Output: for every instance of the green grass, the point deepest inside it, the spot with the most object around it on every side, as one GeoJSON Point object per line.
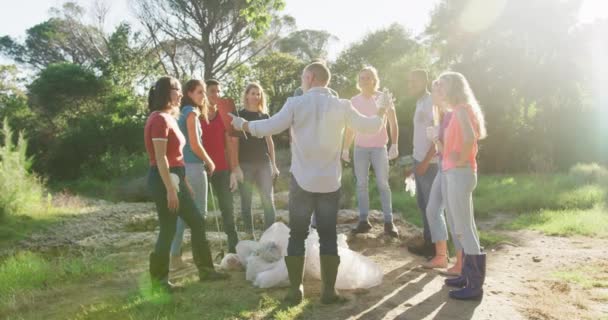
{"type": "Point", "coordinates": [525, 193]}
{"type": "Point", "coordinates": [232, 300]}
{"type": "Point", "coordinates": [18, 227]}
{"type": "Point", "coordinates": [590, 276]}
{"type": "Point", "coordinates": [490, 239]}
{"type": "Point", "coordinates": [25, 272]}
{"type": "Point", "coordinates": [585, 222]}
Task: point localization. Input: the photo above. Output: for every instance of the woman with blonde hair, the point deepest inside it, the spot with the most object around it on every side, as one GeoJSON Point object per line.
{"type": "Point", "coordinates": [459, 165]}
{"type": "Point", "coordinates": [437, 197]}
{"type": "Point", "coordinates": [370, 149]}
{"type": "Point", "coordinates": [256, 159]}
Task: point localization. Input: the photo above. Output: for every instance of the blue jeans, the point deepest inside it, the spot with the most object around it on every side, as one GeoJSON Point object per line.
{"type": "Point", "coordinates": [460, 185]}
{"type": "Point", "coordinates": [260, 175]}
{"type": "Point", "coordinates": [197, 177]}
{"type": "Point", "coordinates": [168, 220]}
{"type": "Point", "coordinates": [423, 190]}
{"type": "Point", "coordinates": [378, 158]}
{"type": "Point", "coordinates": [435, 212]}
{"type": "Point", "coordinates": [301, 206]}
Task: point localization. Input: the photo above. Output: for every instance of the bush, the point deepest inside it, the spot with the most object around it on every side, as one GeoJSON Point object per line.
{"type": "Point", "coordinates": [586, 173]}
{"type": "Point", "coordinates": [20, 191]}
{"type": "Point", "coordinates": [119, 164]}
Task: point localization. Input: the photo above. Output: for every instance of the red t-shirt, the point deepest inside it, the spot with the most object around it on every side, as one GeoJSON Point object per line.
{"type": "Point", "coordinates": [224, 107]}
{"type": "Point", "coordinates": [214, 141]}
{"type": "Point", "coordinates": [162, 126]}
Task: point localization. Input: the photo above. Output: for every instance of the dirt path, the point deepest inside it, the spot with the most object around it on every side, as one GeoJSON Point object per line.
{"type": "Point", "coordinates": [520, 282]}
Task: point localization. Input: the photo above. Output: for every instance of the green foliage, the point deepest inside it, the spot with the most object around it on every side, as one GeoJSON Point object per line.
{"type": "Point", "coordinates": [307, 44]}
{"type": "Point", "coordinates": [508, 54]}
{"type": "Point", "coordinates": [20, 191]}
{"type": "Point", "coordinates": [279, 74]}
{"type": "Point", "coordinates": [80, 117]}
{"type": "Point", "coordinates": [27, 271]}
{"type": "Point", "coordinates": [64, 88]}
{"type": "Point", "coordinates": [585, 222]}
{"type": "Point", "coordinates": [259, 13]}
{"type": "Point", "coordinates": [62, 38]}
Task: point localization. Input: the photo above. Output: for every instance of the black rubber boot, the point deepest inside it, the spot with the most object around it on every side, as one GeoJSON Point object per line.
{"type": "Point", "coordinates": [204, 264]}
{"type": "Point", "coordinates": [329, 273]}
{"type": "Point", "coordinates": [474, 270]}
{"type": "Point", "coordinates": [159, 273]}
{"type": "Point", "coordinates": [295, 269]}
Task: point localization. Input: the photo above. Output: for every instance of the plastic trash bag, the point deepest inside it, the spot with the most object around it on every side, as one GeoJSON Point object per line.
{"type": "Point", "coordinates": [275, 277]}
{"type": "Point", "coordinates": [312, 267]}
{"type": "Point", "coordinates": [231, 262]}
{"type": "Point", "coordinates": [244, 249]}
{"type": "Point", "coordinates": [255, 265]}
{"type": "Point", "coordinates": [269, 251]}
{"type": "Point", "coordinates": [357, 271]}
{"type": "Point", "coordinates": [278, 233]}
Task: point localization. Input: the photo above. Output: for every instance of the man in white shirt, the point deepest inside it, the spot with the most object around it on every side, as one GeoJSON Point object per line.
{"type": "Point", "coordinates": [425, 161]}
{"type": "Point", "coordinates": [317, 121]}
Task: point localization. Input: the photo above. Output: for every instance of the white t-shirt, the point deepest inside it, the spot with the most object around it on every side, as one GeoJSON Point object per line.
{"type": "Point", "coordinates": [423, 118]}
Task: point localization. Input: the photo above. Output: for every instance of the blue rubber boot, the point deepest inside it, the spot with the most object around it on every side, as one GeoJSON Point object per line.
{"type": "Point", "coordinates": [474, 270]}
{"type": "Point", "coordinates": [459, 281]}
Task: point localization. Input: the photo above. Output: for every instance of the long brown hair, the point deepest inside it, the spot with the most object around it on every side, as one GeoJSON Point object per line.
{"type": "Point", "coordinates": [159, 95]}
{"type": "Point", "coordinates": [190, 86]}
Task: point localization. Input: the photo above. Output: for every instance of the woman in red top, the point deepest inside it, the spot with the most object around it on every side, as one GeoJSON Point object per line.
{"type": "Point", "coordinates": [168, 187]}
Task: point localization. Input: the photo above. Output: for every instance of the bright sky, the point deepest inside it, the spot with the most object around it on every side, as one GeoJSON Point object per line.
{"type": "Point", "coordinates": [349, 20]}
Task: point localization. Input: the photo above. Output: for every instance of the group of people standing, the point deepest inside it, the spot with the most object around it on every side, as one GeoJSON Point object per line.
{"type": "Point", "coordinates": [195, 139]}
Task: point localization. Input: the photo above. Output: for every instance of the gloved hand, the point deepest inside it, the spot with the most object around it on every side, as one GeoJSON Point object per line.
{"type": "Point", "coordinates": [275, 171]}
{"type": "Point", "coordinates": [237, 122]}
{"type": "Point", "coordinates": [234, 182]}
{"type": "Point", "coordinates": [346, 155]}
{"type": "Point", "coordinates": [393, 152]}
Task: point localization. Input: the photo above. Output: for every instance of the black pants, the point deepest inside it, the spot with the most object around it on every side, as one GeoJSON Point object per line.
{"type": "Point", "coordinates": [220, 185]}
{"type": "Point", "coordinates": [168, 220]}
{"type": "Point", "coordinates": [301, 206]}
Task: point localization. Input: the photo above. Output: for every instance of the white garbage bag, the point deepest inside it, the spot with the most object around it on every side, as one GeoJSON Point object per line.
{"type": "Point", "coordinates": [231, 262]}
{"type": "Point", "coordinates": [357, 271]}
{"type": "Point", "coordinates": [255, 265]}
{"type": "Point", "coordinates": [275, 277]}
{"type": "Point", "coordinates": [312, 266]}
{"type": "Point", "coordinates": [269, 251]}
{"type": "Point", "coordinates": [278, 233]}
{"type": "Point", "coordinates": [244, 249]}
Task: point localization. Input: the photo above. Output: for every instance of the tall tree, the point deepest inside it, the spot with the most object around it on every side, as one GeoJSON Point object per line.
{"type": "Point", "coordinates": [306, 44]}
{"type": "Point", "coordinates": [523, 60]}
{"type": "Point", "coordinates": [210, 34]}
{"type": "Point", "coordinates": [62, 38]}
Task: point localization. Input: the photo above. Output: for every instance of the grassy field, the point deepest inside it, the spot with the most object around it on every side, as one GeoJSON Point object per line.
{"type": "Point", "coordinates": [566, 204]}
